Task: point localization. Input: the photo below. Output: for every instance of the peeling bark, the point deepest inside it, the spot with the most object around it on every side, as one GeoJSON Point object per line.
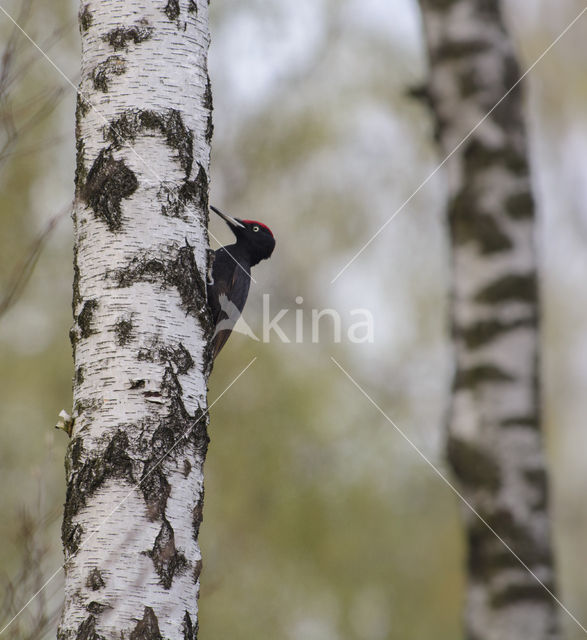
{"type": "Point", "coordinates": [141, 323]}
{"type": "Point", "coordinates": [494, 436]}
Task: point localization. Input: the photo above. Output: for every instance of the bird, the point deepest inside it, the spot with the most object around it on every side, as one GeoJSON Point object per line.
{"type": "Point", "coordinates": [228, 286]}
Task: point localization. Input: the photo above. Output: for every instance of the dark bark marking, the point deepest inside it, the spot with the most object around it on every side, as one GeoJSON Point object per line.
{"type": "Point", "coordinates": [187, 468]}
{"type": "Point", "coordinates": [124, 331]}
{"type": "Point", "coordinates": [167, 560]}
{"type": "Point", "coordinates": [120, 37]}
{"type": "Point", "coordinates": [137, 384]}
{"type": "Point", "coordinates": [198, 566]}
{"type": "Point", "coordinates": [175, 200]}
{"type": "Point", "coordinates": [509, 115]}
{"type": "Point", "coordinates": [483, 561]}
{"type": "Point", "coordinates": [109, 181]}
{"type": "Point", "coordinates": [172, 435]}
{"type": "Point", "coordinates": [485, 331]}
{"type": "Point", "coordinates": [84, 318]}
{"type": "Point", "coordinates": [85, 18]}
{"type": "Point", "coordinates": [470, 82]}
{"type": "Point", "coordinates": [468, 224]}
{"type": "Point", "coordinates": [472, 463]}
{"type": "Point", "coordinates": [189, 631]}
{"type": "Point", "coordinates": [510, 288]}
{"type": "Point", "coordinates": [483, 373]}
{"type": "Point", "coordinates": [208, 105]}
{"type": "Point", "coordinates": [81, 172]}
{"type": "Point", "coordinates": [76, 452]}
{"type": "Point", "coordinates": [521, 421]}
{"type": "Point", "coordinates": [76, 297]}
{"type": "Point", "coordinates": [86, 478]}
{"type": "Point", "coordinates": [421, 93]}
{"type": "Point", "coordinates": [185, 276]}
{"type": "Point", "coordinates": [178, 138]}
{"type": "Point", "coordinates": [169, 442]}
{"type": "Point", "coordinates": [533, 550]}
{"type": "Point", "coordinates": [439, 5]}
{"type": "Point", "coordinates": [181, 357]}
{"type": "Point", "coordinates": [142, 268]}
{"type": "Point", "coordinates": [520, 206]}
{"type": "Point", "coordinates": [515, 161]}
{"type": "Point", "coordinates": [155, 489]}
{"type": "Point", "coordinates": [81, 406]}
{"type": "Point", "coordinates": [191, 191]}
{"type": "Point", "coordinates": [95, 581]}
{"type": "Point", "coordinates": [491, 11]}
{"type": "Point", "coordinates": [180, 272]}
{"type": "Point", "coordinates": [178, 355]}
{"type": "Point", "coordinates": [487, 558]}
{"type": "Point", "coordinates": [87, 630]}
{"type": "Point", "coordinates": [170, 385]}
{"type": "Point", "coordinates": [82, 107]}
{"type": "Point", "coordinates": [147, 628]}
{"type": "Point", "coordinates": [478, 157]}
{"type": "Point", "coordinates": [169, 124]}
{"type": "Point", "coordinates": [209, 128]}
{"type": "Point", "coordinates": [73, 335]}
{"type": "Point", "coordinates": [97, 607]}
{"type": "Point", "coordinates": [72, 537]}
{"type": "Point", "coordinates": [200, 436]}
{"type": "Point", "coordinates": [450, 50]}
{"type": "Point", "coordinates": [162, 442]}
{"type": "Point", "coordinates": [201, 184]}
{"type": "Point", "coordinates": [525, 588]}
{"type": "Point", "coordinates": [198, 515]}
{"type": "Point", "coordinates": [79, 375]}
{"type": "Point", "coordinates": [537, 478]}
{"type": "Point", "coordinates": [192, 7]}
{"type": "Point", "coordinates": [112, 66]}
{"type": "Point", "coordinates": [172, 10]}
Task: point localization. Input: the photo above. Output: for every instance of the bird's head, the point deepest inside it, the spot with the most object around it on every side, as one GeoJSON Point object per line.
{"type": "Point", "coordinates": [255, 237]}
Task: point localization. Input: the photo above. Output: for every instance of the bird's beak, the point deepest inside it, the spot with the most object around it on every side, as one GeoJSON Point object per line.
{"type": "Point", "coordinates": [229, 219]}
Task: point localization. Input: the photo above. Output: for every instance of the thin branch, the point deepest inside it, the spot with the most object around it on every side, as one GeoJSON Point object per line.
{"type": "Point", "coordinates": [23, 271]}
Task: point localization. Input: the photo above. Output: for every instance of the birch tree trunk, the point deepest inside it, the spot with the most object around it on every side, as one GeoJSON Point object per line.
{"type": "Point", "coordinates": [134, 465]}
{"type": "Point", "coordinates": [494, 431]}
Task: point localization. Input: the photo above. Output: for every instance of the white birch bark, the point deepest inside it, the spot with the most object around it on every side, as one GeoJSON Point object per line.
{"type": "Point", "coordinates": [141, 330]}
{"type": "Point", "coordinates": [494, 439]}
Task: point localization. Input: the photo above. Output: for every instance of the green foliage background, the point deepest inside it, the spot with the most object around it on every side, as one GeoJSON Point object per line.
{"type": "Point", "coordinates": [320, 521]}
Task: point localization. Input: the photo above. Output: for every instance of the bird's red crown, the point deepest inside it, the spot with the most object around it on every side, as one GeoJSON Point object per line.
{"type": "Point", "coordinates": [260, 224]}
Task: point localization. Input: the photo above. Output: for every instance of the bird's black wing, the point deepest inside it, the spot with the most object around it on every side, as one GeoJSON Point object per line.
{"type": "Point", "coordinates": [227, 294]}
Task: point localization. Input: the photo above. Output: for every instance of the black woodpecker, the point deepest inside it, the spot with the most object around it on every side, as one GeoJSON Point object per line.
{"type": "Point", "coordinates": [231, 273]}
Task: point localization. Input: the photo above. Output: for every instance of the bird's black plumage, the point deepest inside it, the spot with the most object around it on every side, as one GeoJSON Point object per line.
{"type": "Point", "coordinates": [231, 273]}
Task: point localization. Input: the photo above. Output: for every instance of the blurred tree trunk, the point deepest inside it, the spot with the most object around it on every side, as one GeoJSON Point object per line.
{"type": "Point", "coordinates": [494, 431]}
{"type": "Point", "coordinates": [141, 330]}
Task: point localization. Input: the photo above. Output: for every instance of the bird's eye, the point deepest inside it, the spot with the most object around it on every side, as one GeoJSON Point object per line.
{"type": "Point", "coordinates": [255, 228]}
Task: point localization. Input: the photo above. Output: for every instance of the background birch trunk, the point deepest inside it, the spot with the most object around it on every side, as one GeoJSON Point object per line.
{"type": "Point", "coordinates": [132, 516]}
{"type": "Point", "coordinates": [494, 439]}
